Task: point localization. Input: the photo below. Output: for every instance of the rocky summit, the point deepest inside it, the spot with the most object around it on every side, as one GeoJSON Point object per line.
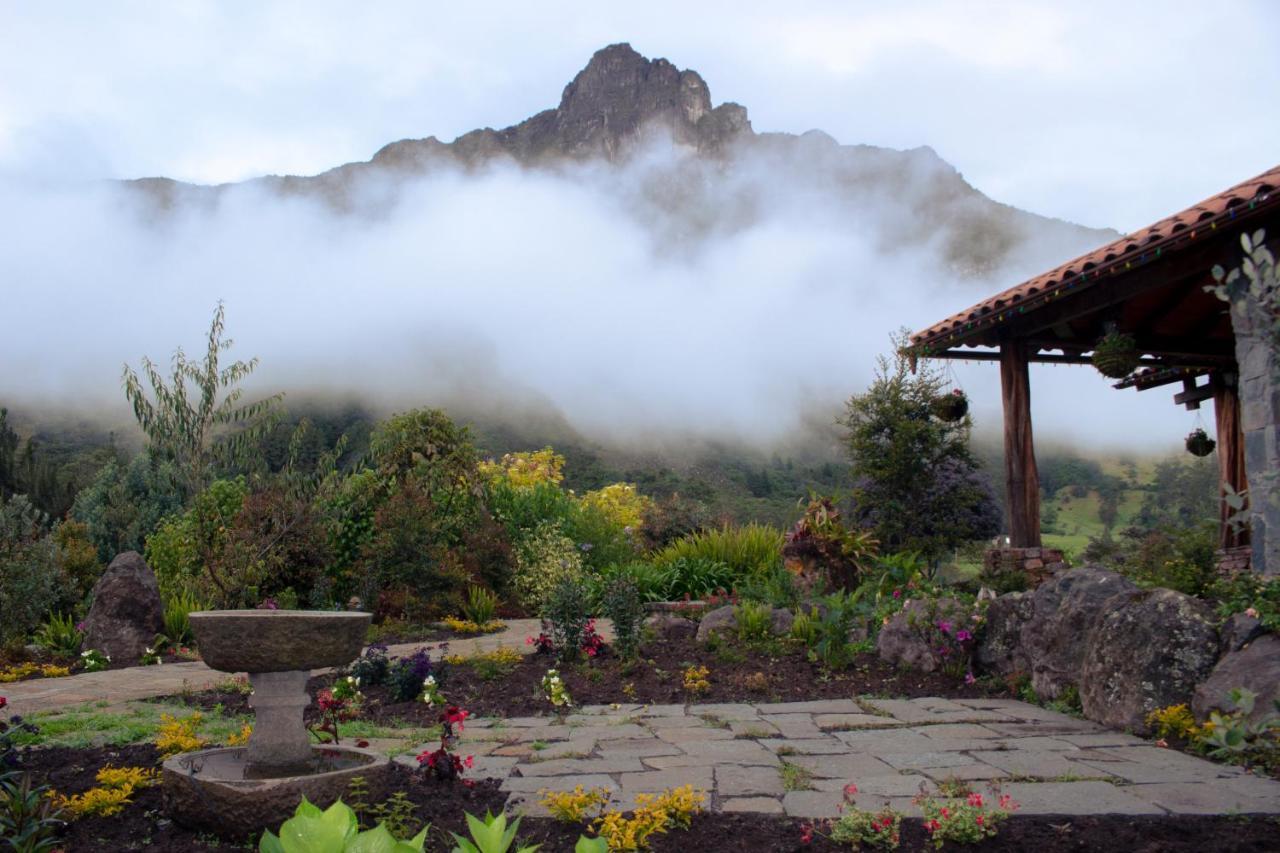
{"type": "Point", "coordinates": [719, 176]}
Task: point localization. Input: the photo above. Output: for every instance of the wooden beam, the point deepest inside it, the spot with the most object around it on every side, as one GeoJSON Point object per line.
{"type": "Point", "coordinates": [1021, 479]}
{"type": "Point", "coordinates": [1231, 464]}
{"type": "Point", "coordinates": [1192, 394]}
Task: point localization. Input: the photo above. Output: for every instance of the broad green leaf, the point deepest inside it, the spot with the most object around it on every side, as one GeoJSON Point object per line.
{"type": "Point", "coordinates": [591, 845]}
{"type": "Point", "coordinates": [376, 840]}
{"type": "Point", "coordinates": [269, 843]}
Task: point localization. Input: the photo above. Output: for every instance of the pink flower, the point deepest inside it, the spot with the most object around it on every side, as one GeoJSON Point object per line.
{"type": "Point", "coordinates": [470, 761]}
{"type": "Point", "coordinates": [977, 819]}
{"type": "Point", "coordinates": [963, 635]}
{"type": "Point", "coordinates": [975, 799]}
{"type": "Point", "coordinates": [1251, 612]}
{"type": "Point", "coordinates": [944, 627]}
{"type": "Point", "coordinates": [850, 789]}
{"type": "Point", "coordinates": [968, 678]}
{"type": "Point", "coordinates": [897, 593]}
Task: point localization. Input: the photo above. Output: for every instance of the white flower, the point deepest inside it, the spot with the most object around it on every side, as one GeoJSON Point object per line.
{"type": "Point", "coordinates": [430, 682]}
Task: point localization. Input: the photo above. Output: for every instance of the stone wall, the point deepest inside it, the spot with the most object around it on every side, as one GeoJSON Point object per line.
{"type": "Point", "coordinates": [1036, 564]}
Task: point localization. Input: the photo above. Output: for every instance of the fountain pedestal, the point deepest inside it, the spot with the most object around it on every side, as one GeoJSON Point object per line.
{"type": "Point", "coordinates": [238, 791]}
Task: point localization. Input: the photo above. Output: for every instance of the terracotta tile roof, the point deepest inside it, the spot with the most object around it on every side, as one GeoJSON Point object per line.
{"type": "Point", "coordinates": [1131, 250]}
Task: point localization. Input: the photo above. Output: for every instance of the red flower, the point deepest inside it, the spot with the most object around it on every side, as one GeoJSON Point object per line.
{"type": "Point", "coordinates": [806, 833]}
{"type": "Point", "coordinates": [470, 762]}
{"type": "Point", "coordinates": [978, 820]}
{"type": "Point", "coordinates": [455, 716]}
{"type": "Point", "coordinates": [3, 701]}
{"type": "Point", "coordinates": [975, 799]}
{"type": "Point", "coordinates": [470, 783]}
{"type": "Point", "coordinates": [363, 744]}
{"type": "Point", "coordinates": [932, 826]}
{"type": "Point", "coordinates": [850, 789]}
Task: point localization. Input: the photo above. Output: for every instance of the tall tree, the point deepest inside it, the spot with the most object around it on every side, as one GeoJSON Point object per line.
{"type": "Point", "coordinates": [916, 483]}
{"type": "Point", "coordinates": [195, 418]}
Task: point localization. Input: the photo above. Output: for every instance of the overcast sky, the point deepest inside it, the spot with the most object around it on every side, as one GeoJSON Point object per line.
{"type": "Point", "coordinates": [1110, 114]}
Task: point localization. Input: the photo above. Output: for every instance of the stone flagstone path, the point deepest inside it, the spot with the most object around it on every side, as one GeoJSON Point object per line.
{"type": "Point", "coordinates": [1050, 763]}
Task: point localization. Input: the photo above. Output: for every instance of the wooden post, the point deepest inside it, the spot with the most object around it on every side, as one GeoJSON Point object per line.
{"type": "Point", "coordinates": [1231, 465]}
{"type": "Point", "coordinates": [1021, 479]}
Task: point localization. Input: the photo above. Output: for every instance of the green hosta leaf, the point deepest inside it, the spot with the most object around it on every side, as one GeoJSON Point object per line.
{"type": "Point", "coordinates": [591, 845]}
{"type": "Point", "coordinates": [380, 840]}
{"type": "Point", "coordinates": [270, 843]}
{"type": "Point", "coordinates": [313, 831]}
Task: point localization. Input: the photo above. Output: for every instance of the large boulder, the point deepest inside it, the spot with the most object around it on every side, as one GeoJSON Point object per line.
{"type": "Point", "coordinates": [1149, 650]}
{"type": "Point", "coordinates": [1000, 650]}
{"type": "Point", "coordinates": [721, 620]}
{"type": "Point", "coordinates": [912, 636]}
{"type": "Point", "coordinates": [126, 613]}
{"type": "Point", "coordinates": [1255, 667]}
{"type": "Point", "coordinates": [1064, 610]}
{"type": "Point", "coordinates": [1238, 631]}
{"type": "Point", "coordinates": [671, 627]}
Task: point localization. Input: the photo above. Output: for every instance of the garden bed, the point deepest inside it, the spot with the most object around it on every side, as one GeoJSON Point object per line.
{"type": "Point", "coordinates": [142, 825]}
{"type": "Point", "coordinates": [776, 672]}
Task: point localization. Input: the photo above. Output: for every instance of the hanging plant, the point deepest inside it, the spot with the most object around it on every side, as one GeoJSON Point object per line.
{"type": "Point", "coordinates": [951, 407]}
{"type": "Point", "coordinates": [1116, 354]}
{"type": "Point", "coordinates": [1199, 443]}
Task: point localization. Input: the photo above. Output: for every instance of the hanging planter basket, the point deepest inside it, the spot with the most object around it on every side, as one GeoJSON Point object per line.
{"type": "Point", "coordinates": [951, 407]}
{"type": "Point", "coordinates": [1199, 443]}
{"type": "Point", "coordinates": [1116, 355]}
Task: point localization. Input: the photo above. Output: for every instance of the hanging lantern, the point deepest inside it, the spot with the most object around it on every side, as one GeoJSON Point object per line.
{"type": "Point", "coordinates": [1116, 354]}
{"type": "Point", "coordinates": [951, 407]}
{"type": "Point", "coordinates": [1199, 443]}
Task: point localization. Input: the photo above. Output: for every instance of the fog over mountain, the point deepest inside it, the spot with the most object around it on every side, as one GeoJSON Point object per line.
{"type": "Point", "coordinates": [636, 261]}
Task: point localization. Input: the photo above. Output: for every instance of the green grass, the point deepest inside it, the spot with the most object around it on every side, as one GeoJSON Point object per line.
{"type": "Point", "coordinates": [795, 777]}
{"type": "Point", "coordinates": [405, 731]}
{"type": "Point", "coordinates": [84, 726]}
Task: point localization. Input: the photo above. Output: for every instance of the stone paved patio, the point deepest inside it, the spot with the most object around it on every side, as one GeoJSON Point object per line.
{"type": "Point", "coordinates": [892, 749]}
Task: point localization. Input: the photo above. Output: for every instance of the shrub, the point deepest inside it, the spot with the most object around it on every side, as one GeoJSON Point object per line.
{"type": "Point", "coordinates": [481, 605]}
{"type": "Point", "coordinates": [966, 821]}
{"type": "Point", "coordinates": [373, 666]}
{"type": "Point", "coordinates": [858, 828]}
{"type": "Point", "coordinates": [567, 611]}
{"type": "Point", "coordinates": [1232, 736]}
{"type": "Point", "coordinates": [525, 469]}
{"type": "Point", "coordinates": [176, 736]}
{"type": "Point", "coordinates": [697, 679]}
{"type": "Point", "coordinates": [1251, 593]}
{"type": "Point", "coordinates": [29, 571]}
{"type": "Point", "coordinates": [1175, 721]}
{"type": "Point", "coordinates": [820, 539]}
{"type": "Point", "coordinates": [683, 578]}
{"type": "Point", "coordinates": [125, 502]}
{"type": "Point", "coordinates": [754, 621]}
{"type": "Point", "coordinates": [78, 559]}
{"type": "Point", "coordinates": [178, 608]}
{"type": "Point", "coordinates": [406, 563]}
{"type": "Point", "coordinates": [113, 792]}
{"type": "Point", "coordinates": [620, 503]}
{"type": "Point", "coordinates": [544, 559]}
{"type": "Point", "coordinates": [60, 636]}
{"type": "Point", "coordinates": [333, 830]}
{"type": "Point", "coordinates": [405, 676]}
{"type": "Point", "coordinates": [804, 628]}
{"type": "Point", "coordinates": [621, 604]}
{"type": "Point", "coordinates": [671, 518]}
{"type": "Point", "coordinates": [577, 805]}
{"type": "Point", "coordinates": [747, 550]}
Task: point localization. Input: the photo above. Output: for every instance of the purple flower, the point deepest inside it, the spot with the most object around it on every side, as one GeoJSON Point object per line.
{"type": "Point", "coordinates": [944, 627]}
{"type": "Point", "coordinates": [963, 636]}
{"type": "Point", "coordinates": [80, 627]}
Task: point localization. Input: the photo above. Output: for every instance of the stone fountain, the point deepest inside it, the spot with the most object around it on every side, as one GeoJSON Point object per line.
{"type": "Point", "coordinates": [241, 790]}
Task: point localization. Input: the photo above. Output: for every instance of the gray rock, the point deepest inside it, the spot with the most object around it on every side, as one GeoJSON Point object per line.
{"type": "Point", "coordinates": [1256, 667]}
{"type": "Point", "coordinates": [1000, 648]}
{"type": "Point", "coordinates": [670, 627]}
{"type": "Point", "coordinates": [1150, 650]}
{"type": "Point", "coordinates": [1064, 611]}
{"type": "Point", "coordinates": [1238, 631]}
{"type": "Point", "coordinates": [905, 640]}
{"type": "Point", "coordinates": [721, 620]}
{"type": "Point", "coordinates": [126, 613]}
{"type": "Point", "coordinates": [780, 621]}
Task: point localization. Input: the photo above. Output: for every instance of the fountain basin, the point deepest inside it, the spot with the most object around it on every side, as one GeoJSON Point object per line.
{"type": "Point", "coordinates": [216, 789]}
{"type": "Point", "coordinates": [278, 640]}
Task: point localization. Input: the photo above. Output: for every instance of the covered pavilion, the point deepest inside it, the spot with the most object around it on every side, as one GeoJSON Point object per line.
{"type": "Point", "coordinates": [1149, 285]}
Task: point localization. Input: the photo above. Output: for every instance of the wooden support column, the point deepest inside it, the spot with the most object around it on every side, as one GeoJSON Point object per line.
{"type": "Point", "coordinates": [1231, 464]}
{"type": "Point", "coordinates": [1021, 479]}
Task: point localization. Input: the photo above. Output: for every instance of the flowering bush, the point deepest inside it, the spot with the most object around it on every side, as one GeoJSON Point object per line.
{"type": "Point", "coordinates": [620, 503]}
{"type": "Point", "coordinates": [672, 809]}
{"type": "Point", "coordinates": [966, 821]}
{"type": "Point", "coordinates": [341, 702]}
{"type": "Point", "coordinates": [881, 829]}
{"type": "Point", "coordinates": [592, 642]}
{"type": "Point", "coordinates": [93, 660]}
{"type": "Point", "coordinates": [405, 676]}
{"type": "Point", "coordinates": [948, 627]}
{"type": "Point", "coordinates": [1175, 721]}
{"type": "Point", "coordinates": [542, 644]}
{"type": "Point", "coordinates": [431, 692]}
{"type": "Point", "coordinates": [555, 691]}
{"type": "Point", "coordinates": [525, 469]}
{"type": "Point", "coordinates": [442, 762]}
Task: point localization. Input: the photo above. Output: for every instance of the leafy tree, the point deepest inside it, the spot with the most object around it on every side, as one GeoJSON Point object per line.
{"type": "Point", "coordinates": [125, 502]}
{"type": "Point", "coordinates": [189, 418]}
{"type": "Point", "coordinates": [916, 482]}
{"type": "Point", "coordinates": [29, 574]}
